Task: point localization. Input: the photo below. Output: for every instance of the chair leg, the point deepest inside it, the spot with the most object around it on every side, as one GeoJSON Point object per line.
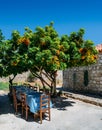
{"type": "Point", "coordinates": [16, 108]}
{"type": "Point", "coordinates": [26, 114]}
{"type": "Point", "coordinates": [49, 116]}
{"type": "Point", "coordinates": [36, 115]}
{"type": "Point", "coordinates": [41, 117]}
{"type": "Point", "coordinates": [14, 105]}
{"type": "Point", "coordinates": [22, 110]}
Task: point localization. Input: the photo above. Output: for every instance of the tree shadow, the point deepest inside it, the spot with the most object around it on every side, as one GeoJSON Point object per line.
{"type": "Point", "coordinates": [81, 92]}
{"type": "Point", "coordinates": [6, 105]}
{"type": "Point", "coordinates": [61, 102]}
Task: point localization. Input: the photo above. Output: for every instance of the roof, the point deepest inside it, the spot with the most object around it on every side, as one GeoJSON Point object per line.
{"type": "Point", "coordinates": [99, 47]}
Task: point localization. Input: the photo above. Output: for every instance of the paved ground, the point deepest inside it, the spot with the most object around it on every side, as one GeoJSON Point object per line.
{"type": "Point", "coordinates": [67, 114]}
{"type": "Point", "coordinates": [85, 97]}
{"type": "Point", "coordinates": [92, 99]}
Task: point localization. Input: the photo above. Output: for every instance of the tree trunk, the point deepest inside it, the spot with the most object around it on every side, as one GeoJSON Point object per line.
{"type": "Point", "coordinates": [10, 85]}
{"type": "Point", "coordinates": [53, 85]}
{"type": "Point", "coordinates": [44, 82]}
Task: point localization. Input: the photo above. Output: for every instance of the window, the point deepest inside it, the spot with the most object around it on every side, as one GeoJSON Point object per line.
{"type": "Point", "coordinates": [74, 78]}
{"type": "Point", "coordinates": [86, 80]}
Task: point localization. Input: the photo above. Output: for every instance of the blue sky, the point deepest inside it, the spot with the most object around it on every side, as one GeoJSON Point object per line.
{"type": "Point", "coordinates": [68, 16]}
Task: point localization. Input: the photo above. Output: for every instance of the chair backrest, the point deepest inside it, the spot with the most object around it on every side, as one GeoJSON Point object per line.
{"type": "Point", "coordinates": [34, 88]}
{"type": "Point", "coordinates": [44, 101]}
{"type": "Point", "coordinates": [23, 99]}
{"type": "Point", "coordinates": [41, 90]}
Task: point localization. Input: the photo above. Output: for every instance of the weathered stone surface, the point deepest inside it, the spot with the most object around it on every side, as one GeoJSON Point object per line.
{"type": "Point", "coordinates": [21, 78]}
{"type": "Point", "coordinates": [77, 82]}
{"type": "Point", "coordinates": [88, 99]}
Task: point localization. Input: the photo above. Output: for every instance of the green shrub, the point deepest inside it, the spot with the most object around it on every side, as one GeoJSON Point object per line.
{"type": "Point", "coordinates": [4, 86]}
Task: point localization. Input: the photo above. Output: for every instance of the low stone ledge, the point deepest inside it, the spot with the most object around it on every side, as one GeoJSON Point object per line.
{"type": "Point", "coordinates": [81, 98]}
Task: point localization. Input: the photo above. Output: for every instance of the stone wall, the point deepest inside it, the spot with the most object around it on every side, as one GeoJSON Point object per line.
{"type": "Point", "coordinates": [74, 78]}
{"type": "Point", "coordinates": [21, 78]}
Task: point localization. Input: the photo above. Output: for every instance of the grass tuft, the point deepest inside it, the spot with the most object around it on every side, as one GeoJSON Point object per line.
{"type": "Point", "coordinates": [4, 86]}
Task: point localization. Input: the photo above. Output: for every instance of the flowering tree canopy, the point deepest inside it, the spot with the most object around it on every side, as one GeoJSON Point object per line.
{"type": "Point", "coordinates": [43, 52]}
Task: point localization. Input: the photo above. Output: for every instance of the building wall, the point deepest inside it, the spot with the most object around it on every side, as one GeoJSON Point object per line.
{"type": "Point", "coordinates": [21, 78]}
{"type": "Point", "coordinates": [74, 78]}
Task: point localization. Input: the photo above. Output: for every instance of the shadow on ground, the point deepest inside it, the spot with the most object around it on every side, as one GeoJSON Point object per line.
{"type": "Point", "coordinates": [6, 106]}
{"type": "Point", "coordinates": [83, 93]}
{"type": "Point", "coordinates": [60, 103]}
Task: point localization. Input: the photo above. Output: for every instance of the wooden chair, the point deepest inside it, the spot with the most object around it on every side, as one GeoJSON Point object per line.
{"type": "Point", "coordinates": [41, 90]}
{"type": "Point", "coordinates": [27, 85]}
{"type": "Point", "coordinates": [16, 102]}
{"type": "Point", "coordinates": [24, 105]}
{"type": "Point", "coordinates": [32, 87]}
{"type": "Point", "coordinates": [44, 106]}
{"type": "Point", "coordinates": [35, 88]}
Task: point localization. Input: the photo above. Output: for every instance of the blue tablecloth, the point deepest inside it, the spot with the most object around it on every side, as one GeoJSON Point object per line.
{"type": "Point", "coordinates": [32, 98]}
{"type": "Point", "coordinates": [33, 101]}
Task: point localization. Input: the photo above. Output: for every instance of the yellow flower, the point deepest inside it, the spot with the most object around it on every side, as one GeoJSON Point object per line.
{"type": "Point", "coordinates": [57, 52]}
{"type": "Point", "coordinates": [24, 40]}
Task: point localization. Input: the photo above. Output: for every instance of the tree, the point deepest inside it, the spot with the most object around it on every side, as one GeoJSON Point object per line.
{"type": "Point", "coordinates": [43, 52]}
{"type": "Point", "coordinates": [2, 52]}
{"type": "Point", "coordinates": [12, 61]}
{"type": "Point", "coordinates": [48, 53]}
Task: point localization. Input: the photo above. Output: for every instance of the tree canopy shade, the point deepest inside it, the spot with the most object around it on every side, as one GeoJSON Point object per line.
{"type": "Point", "coordinates": [43, 52]}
